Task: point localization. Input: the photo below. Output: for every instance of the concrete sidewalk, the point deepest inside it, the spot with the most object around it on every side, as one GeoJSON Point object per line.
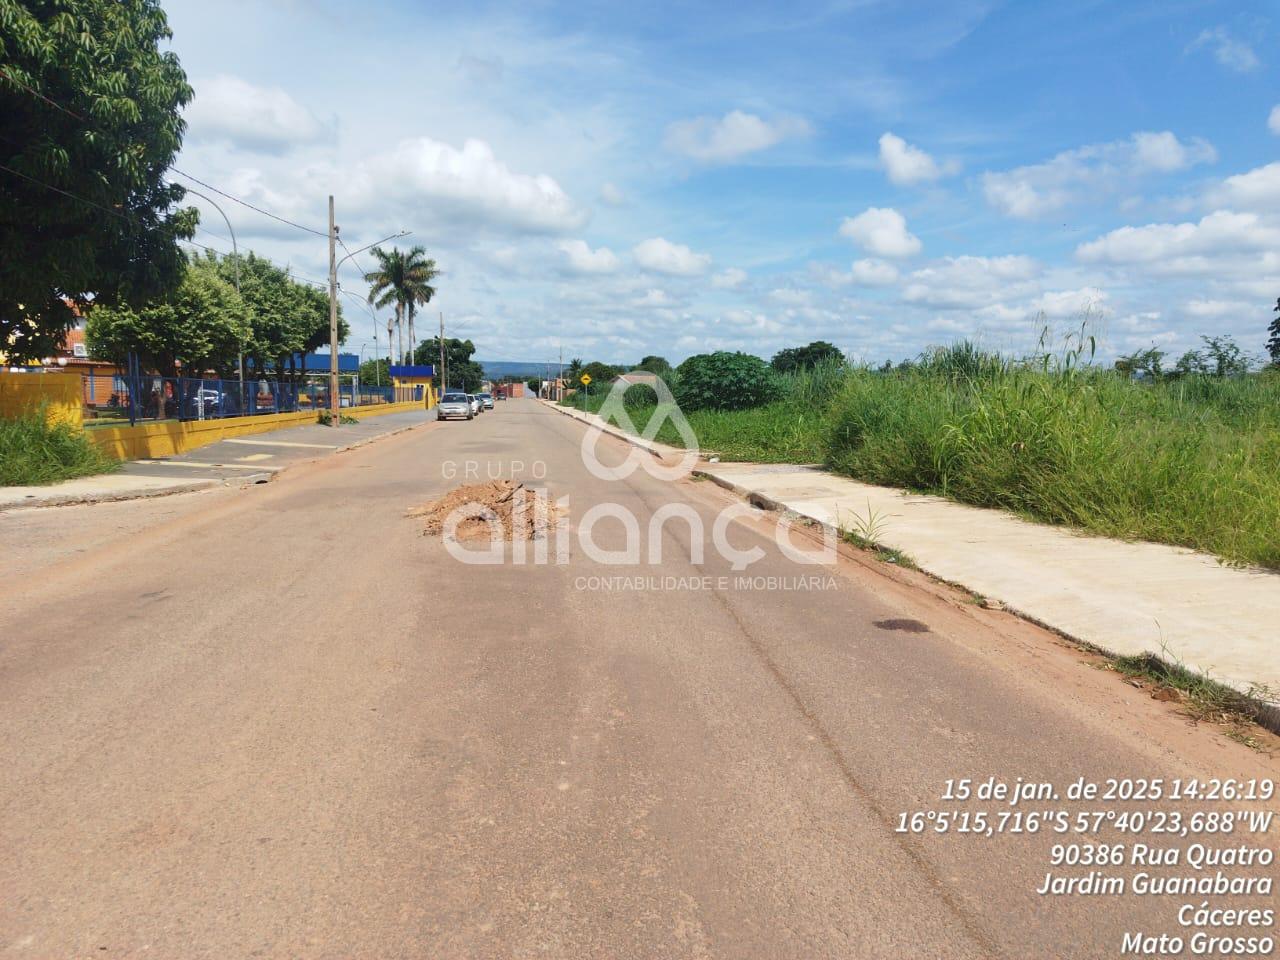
{"type": "Point", "coordinates": [1124, 598]}
{"type": "Point", "coordinates": [236, 461]}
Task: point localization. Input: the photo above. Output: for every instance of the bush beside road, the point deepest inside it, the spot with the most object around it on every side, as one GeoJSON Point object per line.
{"type": "Point", "coordinates": [1191, 462]}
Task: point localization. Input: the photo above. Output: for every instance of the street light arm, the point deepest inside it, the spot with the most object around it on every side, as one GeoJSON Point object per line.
{"type": "Point", "coordinates": [394, 236]}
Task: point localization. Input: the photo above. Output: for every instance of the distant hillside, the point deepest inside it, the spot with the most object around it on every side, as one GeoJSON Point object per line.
{"type": "Point", "coordinates": [497, 369]}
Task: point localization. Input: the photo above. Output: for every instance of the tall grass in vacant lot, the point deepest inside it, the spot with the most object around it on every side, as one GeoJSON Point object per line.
{"type": "Point", "coordinates": [1194, 462]}
{"type": "Point", "coordinates": [32, 452]}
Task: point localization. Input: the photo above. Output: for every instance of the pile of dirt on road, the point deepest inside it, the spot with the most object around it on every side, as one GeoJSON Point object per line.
{"type": "Point", "coordinates": [477, 504]}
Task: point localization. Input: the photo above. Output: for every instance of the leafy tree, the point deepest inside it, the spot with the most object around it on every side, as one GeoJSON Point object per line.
{"type": "Point", "coordinates": [402, 279]}
{"type": "Point", "coordinates": [1146, 363]}
{"type": "Point", "coordinates": [573, 371]}
{"type": "Point", "coordinates": [724, 381]}
{"type": "Point", "coordinates": [535, 385]}
{"type": "Point", "coordinates": [1219, 357]}
{"type": "Point", "coordinates": [373, 372]}
{"type": "Point", "coordinates": [201, 324]}
{"type": "Point", "coordinates": [109, 128]}
{"type": "Point", "coordinates": [600, 373]}
{"type": "Point", "coordinates": [1273, 344]}
{"type": "Point", "coordinates": [654, 364]}
{"type": "Point", "coordinates": [287, 317]}
{"type": "Point", "coordinates": [806, 358]}
{"type": "Point", "coordinates": [461, 372]}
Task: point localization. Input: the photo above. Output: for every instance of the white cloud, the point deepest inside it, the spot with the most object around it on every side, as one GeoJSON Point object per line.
{"type": "Point", "coordinates": [1217, 309]}
{"type": "Point", "coordinates": [874, 273]}
{"type": "Point", "coordinates": [905, 164]}
{"type": "Point", "coordinates": [1165, 153]}
{"type": "Point", "coordinates": [1038, 189]}
{"type": "Point", "coordinates": [1186, 244]}
{"type": "Point", "coordinates": [250, 117]}
{"type": "Point", "coordinates": [1273, 121]}
{"type": "Point", "coordinates": [969, 282]}
{"type": "Point", "coordinates": [663, 256]}
{"type": "Point", "coordinates": [734, 135]}
{"type": "Point", "coordinates": [470, 185]}
{"type": "Point", "coordinates": [881, 231]}
{"type": "Point", "coordinates": [1258, 189]}
{"type": "Point", "coordinates": [612, 196]}
{"type": "Point", "coordinates": [582, 259]}
{"type": "Point", "coordinates": [1060, 304]}
{"type": "Point", "coordinates": [729, 279]}
{"type": "Point", "coordinates": [1231, 53]}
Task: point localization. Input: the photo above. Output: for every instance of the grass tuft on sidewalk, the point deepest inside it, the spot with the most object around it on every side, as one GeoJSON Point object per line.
{"type": "Point", "coordinates": [34, 453]}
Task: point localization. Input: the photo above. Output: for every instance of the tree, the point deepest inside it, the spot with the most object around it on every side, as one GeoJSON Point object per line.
{"type": "Point", "coordinates": [654, 364]}
{"type": "Point", "coordinates": [535, 385]}
{"type": "Point", "coordinates": [402, 279]}
{"type": "Point", "coordinates": [91, 107]}
{"type": "Point", "coordinates": [601, 373]}
{"type": "Point", "coordinates": [573, 371]}
{"type": "Point", "coordinates": [1219, 357]}
{"type": "Point", "coordinates": [461, 371]}
{"type": "Point", "coordinates": [1146, 363]}
{"type": "Point", "coordinates": [286, 317]}
{"type": "Point", "coordinates": [724, 381]}
{"type": "Point", "coordinates": [806, 358]}
{"type": "Point", "coordinates": [200, 325]}
{"type": "Point", "coordinates": [374, 372]}
{"type": "Point", "coordinates": [1273, 344]}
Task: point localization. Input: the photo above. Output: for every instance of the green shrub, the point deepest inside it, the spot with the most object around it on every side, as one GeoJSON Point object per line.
{"type": "Point", "coordinates": [1195, 462]}
{"type": "Point", "coordinates": [33, 452]}
{"type": "Point", "coordinates": [724, 381]}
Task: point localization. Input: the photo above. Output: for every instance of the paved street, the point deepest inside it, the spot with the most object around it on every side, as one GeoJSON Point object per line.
{"type": "Point", "coordinates": [278, 721]}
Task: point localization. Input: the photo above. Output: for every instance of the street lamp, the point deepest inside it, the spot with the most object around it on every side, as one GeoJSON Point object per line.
{"type": "Point", "coordinates": [334, 263]}
{"type": "Point", "coordinates": [235, 252]}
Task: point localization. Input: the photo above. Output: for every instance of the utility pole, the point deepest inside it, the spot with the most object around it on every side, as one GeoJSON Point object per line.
{"type": "Point", "coordinates": [560, 376]}
{"type": "Point", "coordinates": [334, 406]}
{"type": "Point", "coordinates": [442, 352]}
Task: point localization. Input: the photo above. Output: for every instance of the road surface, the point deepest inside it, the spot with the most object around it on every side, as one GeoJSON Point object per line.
{"type": "Point", "coordinates": [281, 722]}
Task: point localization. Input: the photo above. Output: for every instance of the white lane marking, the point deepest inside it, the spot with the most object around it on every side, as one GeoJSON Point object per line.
{"type": "Point", "coordinates": [255, 456]}
{"type": "Point", "coordinates": [284, 443]}
{"type": "Point", "coordinates": [205, 466]}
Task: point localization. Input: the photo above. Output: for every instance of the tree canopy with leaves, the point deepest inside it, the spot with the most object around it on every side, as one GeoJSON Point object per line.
{"type": "Point", "coordinates": [1273, 343]}
{"type": "Point", "coordinates": [461, 371]}
{"type": "Point", "coordinates": [92, 120]}
{"type": "Point", "coordinates": [806, 358]}
{"type": "Point", "coordinates": [199, 326]}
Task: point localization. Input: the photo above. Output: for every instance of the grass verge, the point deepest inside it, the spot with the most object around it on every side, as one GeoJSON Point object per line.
{"type": "Point", "coordinates": [32, 453]}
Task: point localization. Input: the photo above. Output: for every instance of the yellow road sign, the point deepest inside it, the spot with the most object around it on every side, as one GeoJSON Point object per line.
{"type": "Point", "coordinates": [586, 379]}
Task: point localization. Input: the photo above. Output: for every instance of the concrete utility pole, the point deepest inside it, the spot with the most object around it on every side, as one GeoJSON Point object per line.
{"type": "Point", "coordinates": [442, 352]}
{"type": "Point", "coordinates": [334, 407]}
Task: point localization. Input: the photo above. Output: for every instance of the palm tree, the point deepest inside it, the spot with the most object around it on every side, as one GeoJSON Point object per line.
{"type": "Point", "coordinates": [419, 271]}
{"type": "Point", "coordinates": [403, 279]}
{"type": "Point", "coordinates": [386, 288]}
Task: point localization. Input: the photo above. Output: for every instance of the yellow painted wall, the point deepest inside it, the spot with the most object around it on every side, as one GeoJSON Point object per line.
{"type": "Point", "coordinates": [168, 437]}
{"type": "Point", "coordinates": [24, 392]}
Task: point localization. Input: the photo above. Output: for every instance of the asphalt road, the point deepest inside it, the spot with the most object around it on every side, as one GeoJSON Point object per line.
{"type": "Point", "coordinates": [278, 721]}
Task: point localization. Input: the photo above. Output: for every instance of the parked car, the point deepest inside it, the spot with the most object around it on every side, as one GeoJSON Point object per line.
{"type": "Point", "coordinates": [204, 403]}
{"type": "Point", "coordinates": [487, 400]}
{"type": "Point", "coordinates": [476, 406]}
{"type": "Point", "coordinates": [455, 405]}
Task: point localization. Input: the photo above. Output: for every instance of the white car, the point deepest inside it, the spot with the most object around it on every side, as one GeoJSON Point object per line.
{"type": "Point", "coordinates": [455, 405]}
{"type": "Point", "coordinates": [486, 399]}
{"type": "Point", "coordinates": [476, 406]}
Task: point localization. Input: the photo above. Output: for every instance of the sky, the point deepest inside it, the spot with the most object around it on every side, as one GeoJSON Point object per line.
{"type": "Point", "coordinates": [617, 180]}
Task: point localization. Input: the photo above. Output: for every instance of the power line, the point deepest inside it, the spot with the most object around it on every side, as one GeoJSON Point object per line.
{"type": "Point", "coordinates": [32, 90]}
{"type": "Point", "coordinates": [246, 203]}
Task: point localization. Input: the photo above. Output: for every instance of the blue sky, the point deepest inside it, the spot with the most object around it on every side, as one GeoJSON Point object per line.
{"type": "Point", "coordinates": [629, 179]}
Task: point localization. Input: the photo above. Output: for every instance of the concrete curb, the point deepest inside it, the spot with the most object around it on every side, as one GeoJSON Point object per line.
{"type": "Point", "coordinates": [659, 450]}
{"type": "Point", "coordinates": [31, 501]}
